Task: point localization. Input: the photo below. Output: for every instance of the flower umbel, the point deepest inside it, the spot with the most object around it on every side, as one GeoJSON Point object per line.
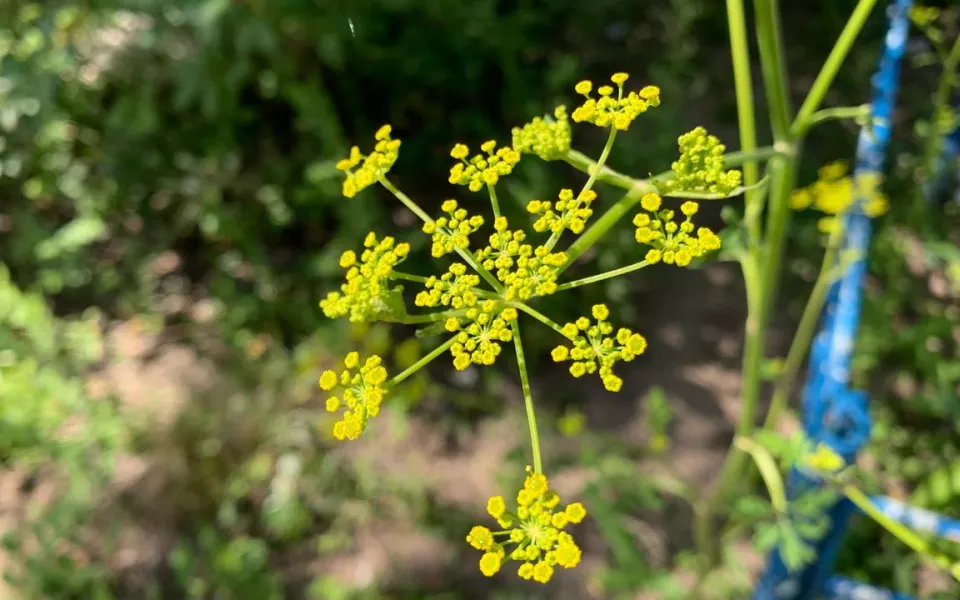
{"type": "Point", "coordinates": [617, 112]}
{"type": "Point", "coordinates": [455, 288]}
{"type": "Point", "coordinates": [374, 166]}
{"type": "Point", "coordinates": [362, 395]}
{"type": "Point", "coordinates": [835, 192]}
{"type": "Point", "coordinates": [566, 213]}
{"type": "Point", "coordinates": [479, 334]}
{"type": "Point", "coordinates": [547, 138]}
{"type": "Point", "coordinates": [700, 166]}
{"type": "Point", "coordinates": [361, 298]}
{"type": "Point", "coordinates": [670, 242]}
{"type": "Point", "coordinates": [535, 531]}
{"type": "Point", "coordinates": [482, 170]}
{"type": "Point", "coordinates": [452, 231]}
{"type": "Point", "coordinates": [527, 271]}
{"type": "Point", "coordinates": [596, 349]}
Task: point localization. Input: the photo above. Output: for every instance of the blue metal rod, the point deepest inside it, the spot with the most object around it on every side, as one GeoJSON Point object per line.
{"type": "Point", "coordinates": [844, 588]}
{"type": "Point", "coordinates": [919, 519]}
{"type": "Point", "coordinates": [834, 414]}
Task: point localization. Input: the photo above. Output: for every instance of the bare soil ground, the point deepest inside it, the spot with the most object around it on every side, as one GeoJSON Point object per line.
{"type": "Point", "coordinates": [695, 343]}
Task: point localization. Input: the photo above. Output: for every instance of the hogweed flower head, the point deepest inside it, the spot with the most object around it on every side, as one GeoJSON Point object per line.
{"type": "Point", "coordinates": [479, 333]}
{"type": "Point", "coordinates": [835, 192]}
{"type": "Point", "coordinates": [671, 242]}
{"type": "Point", "coordinates": [567, 213]}
{"type": "Point", "coordinates": [700, 166]}
{"type": "Point", "coordinates": [596, 349]}
{"type": "Point", "coordinates": [363, 171]}
{"type": "Point", "coordinates": [482, 169]}
{"type": "Point", "coordinates": [452, 231]}
{"type": "Point", "coordinates": [361, 298]}
{"type": "Point", "coordinates": [547, 138]}
{"type": "Point", "coordinates": [617, 111]}
{"type": "Point", "coordinates": [533, 535]}
{"type": "Point", "coordinates": [363, 392]}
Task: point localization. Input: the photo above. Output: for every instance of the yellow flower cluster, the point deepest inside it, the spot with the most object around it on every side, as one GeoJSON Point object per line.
{"type": "Point", "coordinates": [375, 166]}
{"type": "Point", "coordinates": [361, 398]}
{"type": "Point", "coordinates": [670, 242]}
{"type": "Point", "coordinates": [700, 166]}
{"type": "Point", "coordinates": [835, 192]}
{"type": "Point", "coordinates": [480, 334]}
{"type": "Point", "coordinates": [361, 297]}
{"type": "Point", "coordinates": [595, 349]}
{"type": "Point", "coordinates": [567, 213]}
{"type": "Point", "coordinates": [482, 170]}
{"type": "Point", "coordinates": [452, 231]}
{"type": "Point", "coordinates": [455, 288]}
{"type": "Point", "coordinates": [525, 270]}
{"type": "Point", "coordinates": [535, 529]}
{"type": "Point", "coordinates": [824, 459]}
{"type": "Point", "coordinates": [549, 139]}
{"type": "Point", "coordinates": [619, 112]}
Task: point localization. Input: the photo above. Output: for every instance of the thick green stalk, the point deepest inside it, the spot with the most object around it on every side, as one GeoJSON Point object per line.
{"type": "Point", "coordinates": [828, 71]}
{"type": "Point", "coordinates": [422, 362]}
{"type": "Point", "coordinates": [601, 276]}
{"type": "Point", "coordinates": [527, 400]}
{"type": "Point", "coordinates": [743, 83]}
{"type": "Point", "coordinates": [783, 175]}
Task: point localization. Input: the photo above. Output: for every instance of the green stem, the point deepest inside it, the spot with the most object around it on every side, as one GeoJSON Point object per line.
{"type": "Point", "coordinates": [806, 330]}
{"type": "Point", "coordinates": [828, 71]}
{"type": "Point", "coordinates": [527, 399]}
{"type": "Point", "coordinates": [594, 173]}
{"type": "Point", "coordinates": [941, 98]}
{"type": "Point", "coordinates": [764, 263]}
{"type": "Point", "coordinates": [743, 83]}
{"type": "Point", "coordinates": [832, 114]}
{"type": "Point", "coordinates": [602, 225]}
{"type": "Point", "coordinates": [900, 531]}
{"type": "Point", "coordinates": [422, 362]}
{"type": "Point", "coordinates": [405, 200]}
{"type": "Point", "coordinates": [768, 470]}
{"type": "Point", "coordinates": [408, 277]}
{"type": "Point", "coordinates": [538, 316]}
{"type": "Point", "coordinates": [466, 256]}
{"type": "Point", "coordinates": [429, 318]}
{"type": "Point", "coordinates": [493, 201]}
{"type": "Point", "coordinates": [584, 163]}
{"type": "Point", "coordinates": [601, 276]}
{"type": "Point", "coordinates": [773, 65]}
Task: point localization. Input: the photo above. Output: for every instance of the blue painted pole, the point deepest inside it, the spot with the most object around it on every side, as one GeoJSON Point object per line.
{"type": "Point", "coordinates": [843, 588]}
{"type": "Point", "coordinates": [834, 414]}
